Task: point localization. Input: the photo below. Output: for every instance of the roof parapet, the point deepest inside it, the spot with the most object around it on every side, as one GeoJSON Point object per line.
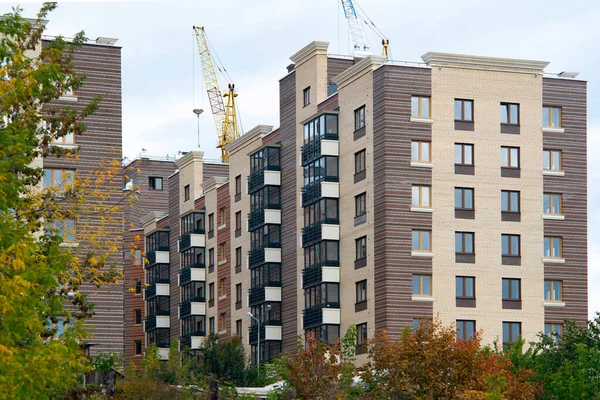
{"type": "Point", "coordinates": [257, 132]}
{"type": "Point", "coordinates": [434, 59]}
{"type": "Point", "coordinates": [362, 67]}
{"type": "Point", "coordinates": [310, 50]}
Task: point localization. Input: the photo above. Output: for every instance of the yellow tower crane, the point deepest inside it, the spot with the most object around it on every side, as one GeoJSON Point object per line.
{"type": "Point", "coordinates": [225, 116]}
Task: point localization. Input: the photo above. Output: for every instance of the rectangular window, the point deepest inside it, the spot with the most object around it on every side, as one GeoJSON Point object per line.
{"type": "Point", "coordinates": [137, 315]}
{"type": "Point", "coordinates": [509, 157]}
{"type": "Point", "coordinates": [360, 205]}
{"type": "Point", "coordinates": [463, 110]}
{"type": "Point", "coordinates": [138, 347]}
{"type": "Point", "coordinates": [359, 118]}
{"type": "Point", "coordinates": [138, 286]}
{"type": "Point", "coordinates": [421, 285]}
{"type": "Point", "coordinates": [138, 257]}
{"type": "Point", "coordinates": [552, 160]}
{"type": "Point", "coordinates": [465, 329]}
{"type": "Point", "coordinates": [552, 117]}
{"type": "Point", "coordinates": [553, 290]}
{"type": "Point", "coordinates": [361, 331]}
{"type": "Point", "coordinates": [420, 151]}
{"type": "Point", "coordinates": [463, 199]}
{"type": "Point", "coordinates": [238, 293]}
{"type": "Point", "coordinates": [155, 183]}
{"type": "Point", "coordinates": [65, 229]}
{"type": "Point", "coordinates": [465, 287]}
{"type": "Point", "coordinates": [420, 106]}
{"type": "Point", "coordinates": [421, 241]}
{"type": "Point", "coordinates": [238, 257]}
{"type": "Point", "coordinates": [211, 291]}
{"type": "Point", "coordinates": [361, 248]}
{"type": "Point", "coordinates": [238, 327]}
{"type": "Point", "coordinates": [511, 289]}
{"type": "Point", "coordinates": [554, 331]}
{"type": "Point", "coordinates": [510, 201]}
{"type": "Point", "coordinates": [222, 217]}
{"type": "Point", "coordinates": [463, 154]}
{"type": "Point", "coordinates": [552, 203]}
{"type": "Point", "coordinates": [361, 291]}
{"type": "Point", "coordinates": [511, 245]}
{"type": "Point", "coordinates": [509, 113]}
{"type": "Point", "coordinates": [222, 287]}
{"type": "Point", "coordinates": [464, 242]}
{"type": "Point", "coordinates": [360, 161]}
{"type": "Point", "coordinates": [238, 221]}
{"type": "Point", "coordinates": [552, 247]}
{"type": "Point", "coordinates": [186, 192]}
{"type": "Point", "coordinates": [222, 322]}
{"type": "Point", "coordinates": [238, 185]}
{"type": "Point", "coordinates": [68, 138]}
{"type": "Point", "coordinates": [211, 257]}
{"type": "Point", "coordinates": [211, 222]}
{"type": "Point", "coordinates": [211, 324]}
{"type": "Point", "coordinates": [511, 331]}
{"type": "Point", "coordinates": [306, 95]}
{"type": "Point", "coordinates": [58, 177]}
{"type": "Point", "coordinates": [421, 196]}
{"type": "Point", "coordinates": [222, 253]}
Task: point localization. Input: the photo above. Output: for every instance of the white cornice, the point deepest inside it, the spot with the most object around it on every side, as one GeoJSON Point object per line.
{"type": "Point", "coordinates": [152, 217]}
{"type": "Point", "coordinates": [189, 157]}
{"type": "Point", "coordinates": [213, 183]}
{"type": "Point", "coordinates": [257, 132]}
{"type": "Point", "coordinates": [309, 50]}
{"type": "Point", "coordinates": [466, 61]}
{"type": "Point", "coordinates": [362, 67]}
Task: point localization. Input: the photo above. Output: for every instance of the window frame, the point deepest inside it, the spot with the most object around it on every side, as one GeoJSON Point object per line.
{"type": "Point", "coordinates": [511, 339]}
{"type": "Point", "coordinates": [509, 237]}
{"type": "Point", "coordinates": [186, 192]}
{"type": "Point", "coordinates": [552, 284]}
{"type": "Point", "coordinates": [238, 185]}
{"type": "Point", "coordinates": [137, 311]}
{"type": "Point", "coordinates": [420, 196]}
{"type": "Point", "coordinates": [361, 334]}
{"type": "Point", "coordinates": [360, 161]}
{"type": "Point", "coordinates": [222, 216]}
{"type": "Point", "coordinates": [361, 291]}
{"type": "Point", "coordinates": [420, 151]}
{"type": "Point", "coordinates": [420, 106]}
{"type": "Point", "coordinates": [306, 96]}
{"type": "Point", "coordinates": [238, 221]}
{"type": "Point", "coordinates": [508, 113]}
{"type": "Point", "coordinates": [152, 180]}
{"type": "Point", "coordinates": [551, 152]}
{"type": "Point", "coordinates": [510, 289]}
{"type": "Point", "coordinates": [462, 108]}
{"type": "Point", "coordinates": [360, 244]}
{"type": "Point", "coordinates": [509, 205]}
{"type": "Point", "coordinates": [238, 256]}
{"type": "Point", "coordinates": [222, 289]}
{"type": "Point", "coordinates": [464, 295]}
{"type": "Point", "coordinates": [509, 149]}
{"type": "Point", "coordinates": [462, 335]}
{"type": "Point", "coordinates": [420, 249]}
{"type": "Point", "coordinates": [462, 147]}
{"type": "Point", "coordinates": [550, 116]}
{"type": "Point", "coordinates": [551, 197]}
{"type": "Point", "coordinates": [238, 292]}
{"type": "Point", "coordinates": [463, 190]}
{"type": "Point", "coordinates": [222, 252]}
{"type": "Point", "coordinates": [135, 348]}
{"type": "Point", "coordinates": [360, 204]}
{"type": "Point", "coordinates": [463, 236]}
{"type": "Point", "coordinates": [551, 326]}
{"type": "Point", "coordinates": [551, 238]}
{"type": "Point", "coordinates": [421, 279]}
{"type": "Point", "coordinates": [360, 117]}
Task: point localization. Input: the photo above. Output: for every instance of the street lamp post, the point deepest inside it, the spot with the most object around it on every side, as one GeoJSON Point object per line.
{"type": "Point", "coordinates": [258, 342]}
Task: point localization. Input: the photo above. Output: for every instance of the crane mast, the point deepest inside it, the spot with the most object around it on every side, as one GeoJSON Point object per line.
{"type": "Point", "coordinates": [225, 116]}
{"type": "Point", "coordinates": [355, 31]}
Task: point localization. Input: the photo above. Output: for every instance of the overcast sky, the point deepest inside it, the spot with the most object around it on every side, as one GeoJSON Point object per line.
{"type": "Point", "coordinates": [254, 40]}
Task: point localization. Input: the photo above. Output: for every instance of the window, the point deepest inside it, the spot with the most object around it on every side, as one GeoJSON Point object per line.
{"type": "Point", "coordinates": [238, 222]}
{"type": "Point", "coordinates": [211, 324]}
{"type": "Point", "coordinates": [552, 247]}
{"type": "Point", "coordinates": [420, 106]}
{"type": "Point", "coordinates": [463, 154]}
{"type": "Point", "coordinates": [360, 161]}
{"type": "Point", "coordinates": [421, 285]}
{"type": "Point", "coordinates": [58, 177]}
{"type": "Point", "coordinates": [509, 113]}
{"type": "Point", "coordinates": [68, 138]}
{"type": "Point", "coordinates": [306, 95]}
{"type": "Point", "coordinates": [421, 241]}
{"type": "Point", "coordinates": [361, 337]}
{"type": "Point", "coordinates": [137, 316]}
{"type": "Point", "coordinates": [511, 331]}
{"type": "Point", "coordinates": [137, 344]}
{"type": "Point", "coordinates": [361, 248]}
{"type": "Point", "coordinates": [361, 291]}
{"type": "Point", "coordinates": [222, 217]}
{"type": "Point", "coordinates": [222, 322]}
{"type": "Point", "coordinates": [186, 192]}
{"type": "Point", "coordinates": [464, 242]}
{"type": "Point", "coordinates": [238, 294]}
{"type": "Point", "coordinates": [420, 151]}
{"type": "Point", "coordinates": [511, 289]}
{"type": "Point", "coordinates": [211, 222]}
{"type": "Point", "coordinates": [360, 205]}
{"type": "Point", "coordinates": [463, 198]}
{"type": "Point", "coordinates": [211, 291]}
{"type": "Point", "coordinates": [465, 329]}
{"type": "Point", "coordinates": [463, 110]}
{"type": "Point", "coordinates": [238, 185]}
{"type": "Point", "coordinates": [64, 229]}
{"type": "Point", "coordinates": [554, 331]}
{"type": "Point", "coordinates": [465, 287]}
{"type": "Point", "coordinates": [509, 157]}
{"type": "Point", "coordinates": [359, 118]}
{"type": "Point", "coordinates": [211, 257]}
{"type": "Point", "coordinates": [552, 117]}
{"type": "Point", "coordinates": [155, 183]}
{"type": "Point", "coordinates": [511, 245]}
{"type": "Point", "coordinates": [138, 286]}
{"type": "Point", "coordinates": [553, 290]}
{"type": "Point", "coordinates": [238, 257]}
{"type": "Point", "coordinates": [552, 203]}
{"type": "Point", "coordinates": [222, 253]}
{"type": "Point", "coordinates": [552, 160]}
{"type": "Point", "coordinates": [238, 327]}
{"type": "Point", "coordinates": [421, 196]}
{"type": "Point", "coordinates": [222, 287]}
{"type": "Point", "coordinates": [510, 201]}
{"type": "Point", "coordinates": [138, 257]}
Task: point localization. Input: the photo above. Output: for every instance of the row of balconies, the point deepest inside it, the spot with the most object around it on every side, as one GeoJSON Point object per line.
{"type": "Point", "coordinates": [316, 190]}
{"type": "Point", "coordinates": [157, 257]}
{"type": "Point", "coordinates": [266, 177]}
{"type": "Point", "coordinates": [320, 274]}
{"type": "Point", "coordinates": [317, 148]}
{"type": "Point", "coordinates": [263, 216]}
{"type": "Point", "coordinates": [269, 330]}
{"type": "Point", "coordinates": [323, 314]}
{"type": "Point", "coordinates": [192, 240]}
{"type": "Point", "coordinates": [264, 255]}
{"type": "Point", "coordinates": [268, 293]}
{"type": "Point", "coordinates": [323, 230]}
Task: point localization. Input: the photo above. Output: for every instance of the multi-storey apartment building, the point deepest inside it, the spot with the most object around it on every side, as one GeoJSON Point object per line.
{"type": "Point", "coordinates": [101, 143]}
{"type": "Point", "coordinates": [390, 193]}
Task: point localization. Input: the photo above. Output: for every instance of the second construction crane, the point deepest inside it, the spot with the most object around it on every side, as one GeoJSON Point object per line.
{"type": "Point", "coordinates": [224, 115]}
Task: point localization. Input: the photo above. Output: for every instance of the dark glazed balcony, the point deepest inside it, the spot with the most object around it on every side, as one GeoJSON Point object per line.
{"type": "Point", "coordinates": [312, 317]}
{"type": "Point", "coordinates": [256, 296]}
{"type": "Point", "coordinates": [311, 193]}
{"type": "Point", "coordinates": [186, 273]}
{"type": "Point", "coordinates": [311, 151]}
{"type": "Point", "coordinates": [186, 340]}
{"type": "Point", "coordinates": [256, 257]}
{"type": "Point", "coordinates": [150, 322]}
{"type": "Point", "coordinates": [151, 290]}
{"type": "Point", "coordinates": [185, 242]}
{"type": "Point", "coordinates": [311, 276]}
{"type": "Point", "coordinates": [311, 234]}
{"type": "Point", "coordinates": [253, 330]}
{"type": "Point", "coordinates": [185, 308]}
{"type": "Point", "coordinates": [256, 180]}
{"type": "Point", "coordinates": [151, 256]}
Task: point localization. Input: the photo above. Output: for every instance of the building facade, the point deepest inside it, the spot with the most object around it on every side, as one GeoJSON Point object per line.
{"type": "Point", "coordinates": [390, 193]}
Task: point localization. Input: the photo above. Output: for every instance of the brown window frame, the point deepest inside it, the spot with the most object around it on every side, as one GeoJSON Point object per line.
{"type": "Point", "coordinates": [420, 249]}
{"type": "Point", "coordinates": [463, 235]}
{"type": "Point", "coordinates": [508, 113]}
{"type": "Point", "coordinates": [551, 201]}
{"type": "Point", "coordinates": [222, 290]}
{"type": "Point", "coordinates": [152, 180]}
{"type": "Point", "coordinates": [463, 145]}
{"type": "Point", "coordinates": [510, 253]}
{"type": "Point", "coordinates": [511, 338]}
{"type": "Point", "coordinates": [420, 151]}
{"type": "Point", "coordinates": [552, 283]}
{"type": "Point", "coordinates": [135, 348]}
{"type": "Point", "coordinates": [462, 108]}
{"type": "Point", "coordinates": [361, 288]}
{"type": "Point", "coordinates": [509, 205]}
{"type": "Point", "coordinates": [460, 333]}
{"type": "Point", "coordinates": [360, 161]}
{"type": "Point", "coordinates": [464, 295]}
{"type": "Point", "coordinates": [360, 204]}
{"type": "Point", "coordinates": [137, 311]}
{"type": "Point", "coordinates": [306, 96]}
{"type": "Point", "coordinates": [186, 192]}
{"type": "Point", "coordinates": [510, 148]}
{"type": "Point", "coordinates": [360, 116]}
{"type": "Point", "coordinates": [420, 106]}
{"type": "Point", "coordinates": [552, 247]}
{"type": "Point", "coordinates": [550, 118]}
{"type": "Point", "coordinates": [238, 185]}
{"type": "Point", "coordinates": [551, 159]}
{"type": "Point", "coordinates": [420, 196]}
{"type": "Point", "coordinates": [510, 289]}
{"type": "Point", "coordinates": [359, 244]}
{"type": "Point", "coordinates": [463, 189]}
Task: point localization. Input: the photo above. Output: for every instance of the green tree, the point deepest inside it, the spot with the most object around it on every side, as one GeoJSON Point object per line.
{"type": "Point", "coordinates": [224, 359]}
{"type": "Point", "coordinates": [42, 309]}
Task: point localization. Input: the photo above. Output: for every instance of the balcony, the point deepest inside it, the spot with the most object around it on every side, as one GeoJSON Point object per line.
{"type": "Point", "coordinates": [269, 330]}
{"type": "Point", "coordinates": [153, 322]}
{"type": "Point", "coordinates": [192, 273]}
{"type": "Point", "coordinates": [194, 306]}
{"type": "Point", "coordinates": [329, 146]}
{"type": "Point", "coordinates": [261, 294]}
{"type": "Point", "coordinates": [271, 214]}
{"type": "Point", "coordinates": [264, 255]}
{"type": "Point", "coordinates": [157, 289]}
{"type": "Point", "coordinates": [270, 175]}
{"type": "Point", "coordinates": [193, 341]}
{"type": "Point", "coordinates": [328, 313]}
{"type": "Point", "coordinates": [311, 277]}
{"type": "Point", "coordinates": [192, 240]}
{"type": "Point", "coordinates": [328, 229]}
{"type": "Point", "coordinates": [157, 257]}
